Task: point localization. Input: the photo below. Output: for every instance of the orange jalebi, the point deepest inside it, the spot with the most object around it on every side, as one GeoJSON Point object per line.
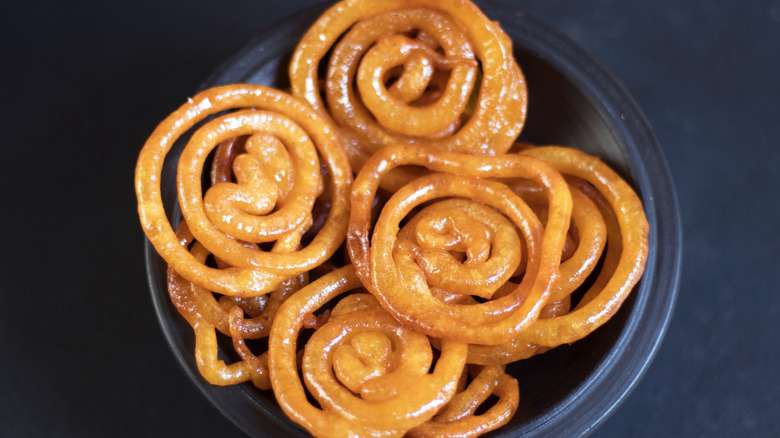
{"type": "Point", "coordinates": [627, 248]}
{"type": "Point", "coordinates": [369, 374]}
{"type": "Point", "coordinates": [466, 250]}
{"type": "Point", "coordinates": [277, 183]}
{"type": "Point", "coordinates": [387, 264]}
{"type": "Point", "coordinates": [412, 71]}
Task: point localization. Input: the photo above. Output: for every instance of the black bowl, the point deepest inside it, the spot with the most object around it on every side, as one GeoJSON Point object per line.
{"type": "Point", "coordinates": [573, 101]}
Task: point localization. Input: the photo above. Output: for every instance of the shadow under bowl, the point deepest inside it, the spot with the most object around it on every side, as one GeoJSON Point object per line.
{"type": "Point", "coordinates": [573, 101]}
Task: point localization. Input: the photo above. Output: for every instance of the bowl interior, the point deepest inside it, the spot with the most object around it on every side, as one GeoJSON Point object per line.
{"type": "Point", "coordinates": [573, 101]}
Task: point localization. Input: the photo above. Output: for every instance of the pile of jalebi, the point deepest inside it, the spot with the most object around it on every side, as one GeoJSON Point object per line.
{"type": "Point", "coordinates": [390, 304]}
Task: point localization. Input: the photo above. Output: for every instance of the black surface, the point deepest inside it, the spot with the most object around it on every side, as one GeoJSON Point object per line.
{"type": "Point", "coordinates": [84, 83]}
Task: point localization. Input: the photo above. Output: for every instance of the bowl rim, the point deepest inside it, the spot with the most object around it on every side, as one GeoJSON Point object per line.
{"type": "Point", "coordinates": [618, 373]}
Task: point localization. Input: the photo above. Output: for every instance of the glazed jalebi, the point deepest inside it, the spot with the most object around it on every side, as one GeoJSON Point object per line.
{"type": "Point", "coordinates": [622, 223]}
{"type": "Point", "coordinates": [277, 182]}
{"type": "Point", "coordinates": [466, 249]}
{"type": "Point", "coordinates": [412, 71]}
{"type": "Point", "coordinates": [369, 374]}
{"type": "Point", "coordinates": [387, 265]}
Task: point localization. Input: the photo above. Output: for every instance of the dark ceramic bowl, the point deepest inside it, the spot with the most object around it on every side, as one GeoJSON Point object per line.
{"type": "Point", "coordinates": [574, 101]}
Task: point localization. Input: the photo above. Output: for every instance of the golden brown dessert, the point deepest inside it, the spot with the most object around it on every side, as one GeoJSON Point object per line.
{"type": "Point", "coordinates": [277, 182]}
{"type": "Point", "coordinates": [461, 256]}
{"type": "Point", "coordinates": [412, 71]}
{"type": "Point", "coordinates": [370, 375]}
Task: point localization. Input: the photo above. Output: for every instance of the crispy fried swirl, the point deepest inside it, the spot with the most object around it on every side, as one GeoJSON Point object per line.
{"type": "Point", "coordinates": [406, 275]}
{"type": "Point", "coordinates": [469, 249]}
{"type": "Point", "coordinates": [409, 72]}
{"type": "Point", "coordinates": [270, 198]}
{"type": "Point", "coordinates": [619, 223]}
{"type": "Point", "coordinates": [370, 375]}
{"type": "Point", "coordinates": [627, 234]}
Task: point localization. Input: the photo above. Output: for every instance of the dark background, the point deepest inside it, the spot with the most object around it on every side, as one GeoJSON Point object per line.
{"type": "Point", "coordinates": [84, 83]}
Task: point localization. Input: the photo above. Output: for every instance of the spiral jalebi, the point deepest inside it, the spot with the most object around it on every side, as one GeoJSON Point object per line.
{"type": "Point", "coordinates": [389, 266]}
{"type": "Point", "coordinates": [466, 249]}
{"type": "Point", "coordinates": [370, 375]}
{"type": "Point", "coordinates": [277, 182]}
{"type": "Point", "coordinates": [412, 71]}
{"type": "Point", "coordinates": [620, 221]}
